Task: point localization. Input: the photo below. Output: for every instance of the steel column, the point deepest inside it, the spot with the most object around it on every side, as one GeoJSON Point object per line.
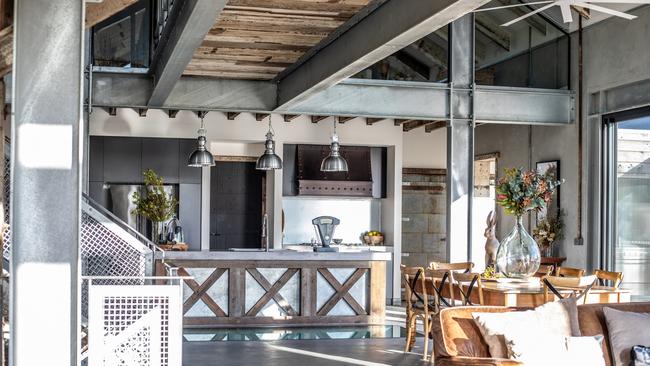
{"type": "Point", "coordinates": [460, 139]}
{"type": "Point", "coordinates": [46, 181]}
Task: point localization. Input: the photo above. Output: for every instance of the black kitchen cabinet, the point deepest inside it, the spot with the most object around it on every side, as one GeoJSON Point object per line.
{"type": "Point", "coordinates": [122, 160]}
{"type": "Point", "coordinates": [161, 155]}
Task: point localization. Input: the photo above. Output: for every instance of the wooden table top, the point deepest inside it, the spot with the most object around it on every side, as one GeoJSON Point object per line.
{"type": "Point", "coordinates": [526, 295]}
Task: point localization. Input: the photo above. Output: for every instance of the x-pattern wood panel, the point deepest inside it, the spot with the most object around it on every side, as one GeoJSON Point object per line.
{"type": "Point", "coordinates": [272, 292]}
{"type": "Point", "coordinates": [200, 291]}
{"type": "Point", "coordinates": [342, 291]}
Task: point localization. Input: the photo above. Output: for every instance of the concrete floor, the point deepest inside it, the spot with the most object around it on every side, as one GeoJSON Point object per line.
{"type": "Point", "coordinates": [363, 352]}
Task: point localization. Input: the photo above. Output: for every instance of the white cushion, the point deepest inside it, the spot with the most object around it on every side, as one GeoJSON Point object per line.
{"type": "Point", "coordinates": [554, 318]}
{"type": "Point", "coordinates": [626, 330]}
{"type": "Point", "coordinates": [533, 350]}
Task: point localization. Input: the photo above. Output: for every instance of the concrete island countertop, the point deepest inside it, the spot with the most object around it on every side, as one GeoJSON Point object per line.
{"type": "Point", "coordinates": [278, 255]}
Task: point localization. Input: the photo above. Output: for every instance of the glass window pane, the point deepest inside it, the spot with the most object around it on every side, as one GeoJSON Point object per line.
{"type": "Point", "coordinates": [632, 255]}
{"type": "Point", "coordinates": [530, 53]}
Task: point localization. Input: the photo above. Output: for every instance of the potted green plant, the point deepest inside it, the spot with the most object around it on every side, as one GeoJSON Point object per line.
{"type": "Point", "coordinates": [156, 205]}
{"type": "Point", "coordinates": [518, 192]}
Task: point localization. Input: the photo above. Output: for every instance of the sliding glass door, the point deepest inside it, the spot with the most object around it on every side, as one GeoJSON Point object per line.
{"type": "Point", "coordinates": [628, 216]}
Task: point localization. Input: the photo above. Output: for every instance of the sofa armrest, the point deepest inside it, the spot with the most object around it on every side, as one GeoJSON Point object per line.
{"type": "Point", "coordinates": [475, 361]}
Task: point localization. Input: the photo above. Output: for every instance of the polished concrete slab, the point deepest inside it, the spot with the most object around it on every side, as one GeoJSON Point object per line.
{"type": "Point", "coordinates": [330, 352]}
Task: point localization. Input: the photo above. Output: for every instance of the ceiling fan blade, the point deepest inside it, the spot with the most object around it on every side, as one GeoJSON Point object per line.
{"type": "Point", "coordinates": [566, 12]}
{"type": "Point", "coordinates": [606, 10]}
{"type": "Point", "coordinates": [528, 15]}
{"type": "Point", "coordinates": [515, 5]}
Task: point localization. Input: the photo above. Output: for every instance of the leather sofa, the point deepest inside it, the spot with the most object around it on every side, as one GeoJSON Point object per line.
{"type": "Point", "coordinates": [458, 341]}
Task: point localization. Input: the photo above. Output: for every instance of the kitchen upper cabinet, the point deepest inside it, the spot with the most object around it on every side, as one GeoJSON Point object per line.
{"type": "Point", "coordinates": [187, 174]}
{"type": "Point", "coordinates": [161, 155]}
{"type": "Point", "coordinates": [122, 160]}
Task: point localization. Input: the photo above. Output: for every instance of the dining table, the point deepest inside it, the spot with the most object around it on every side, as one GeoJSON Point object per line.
{"type": "Point", "coordinates": [521, 294]}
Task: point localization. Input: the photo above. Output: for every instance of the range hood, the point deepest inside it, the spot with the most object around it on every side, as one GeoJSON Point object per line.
{"type": "Point", "coordinates": [356, 182]}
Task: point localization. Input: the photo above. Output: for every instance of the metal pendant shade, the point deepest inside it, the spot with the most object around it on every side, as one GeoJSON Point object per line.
{"type": "Point", "coordinates": [201, 156]}
{"type": "Point", "coordinates": [269, 160]}
{"type": "Point", "coordinates": [334, 162]}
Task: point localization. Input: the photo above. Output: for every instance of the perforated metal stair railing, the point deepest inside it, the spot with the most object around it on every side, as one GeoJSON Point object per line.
{"type": "Point", "coordinates": [108, 246]}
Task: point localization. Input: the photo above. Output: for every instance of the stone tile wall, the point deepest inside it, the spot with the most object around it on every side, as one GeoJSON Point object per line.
{"type": "Point", "coordinates": [423, 216]}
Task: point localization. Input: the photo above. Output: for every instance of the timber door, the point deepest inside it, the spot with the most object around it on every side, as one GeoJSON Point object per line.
{"type": "Point", "coordinates": [236, 201]}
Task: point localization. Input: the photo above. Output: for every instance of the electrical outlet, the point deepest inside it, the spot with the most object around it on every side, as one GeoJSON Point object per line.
{"type": "Point", "coordinates": [578, 241]}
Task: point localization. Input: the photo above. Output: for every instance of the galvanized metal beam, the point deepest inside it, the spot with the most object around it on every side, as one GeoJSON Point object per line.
{"type": "Point", "coordinates": [460, 140]}
{"type": "Point", "coordinates": [391, 27]}
{"type": "Point", "coordinates": [46, 181]}
{"type": "Point", "coordinates": [353, 97]}
{"type": "Point", "coordinates": [192, 21]}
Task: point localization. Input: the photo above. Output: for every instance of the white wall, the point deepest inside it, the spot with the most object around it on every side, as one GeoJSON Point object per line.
{"type": "Point", "coordinates": [425, 150]}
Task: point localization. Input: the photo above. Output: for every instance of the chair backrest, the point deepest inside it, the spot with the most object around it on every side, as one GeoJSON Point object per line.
{"type": "Point", "coordinates": [466, 283]}
{"type": "Point", "coordinates": [461, 266]}
{"type": "Point", "coordinates": [544, 270]}
{"type": "Point", "coordinates": [440, 278]}
{"type": "Point", "coordinates": [414, 293]}
{"type": "Point", "coordinates": [579, 286]}
{"type": "Point", "coordinates": [569, 272]}
{"type": "Point", "coordinates": [614, 277]}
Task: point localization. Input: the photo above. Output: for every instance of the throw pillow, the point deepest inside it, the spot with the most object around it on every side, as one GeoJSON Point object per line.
{"type": "Point", "coordinates": [554, 318]}
{"type": "Point", "coordinates": [626, 330]}
{"type": "Point", "coordinates": [640, 356]}
{"type": "Point", "coordinates": [535, 351]}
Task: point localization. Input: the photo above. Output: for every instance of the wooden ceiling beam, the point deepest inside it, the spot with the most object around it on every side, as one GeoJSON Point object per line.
{"type": "Point", "coordinates": [372, 121]}
{"type": "Point", "coordinates": [290, 117]}
{"type": "Point", "coordinates": [112, 111]}
{"type": "Point", "coordinates": [435, 126]}
{"type": "Point", "coordinates": [232, 115]}
{"type": "Point", "coordinates": [342, 120]}
{"type": "Point", "coordinates": [142, 112]}
{"type": "Point", "coordinates": [172, 113]}
{"type": "Point", "coordinates": [260, 116]}
{"type": "Point", "coordinates": [411, 125]}
{"type": "Point", "coordinates": [316, 119]}
{"type": "Point", "coordinates": [495, 32]}
{"type": "Point", "coordinates": [399, 122]}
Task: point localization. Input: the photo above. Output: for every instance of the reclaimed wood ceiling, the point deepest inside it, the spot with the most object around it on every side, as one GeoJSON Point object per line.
{"type": "Point", "coordinates": [257, 39]}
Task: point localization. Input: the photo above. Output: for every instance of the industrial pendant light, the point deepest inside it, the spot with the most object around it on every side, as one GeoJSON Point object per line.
{"type": "Point", "coordinates": [334, 162]}
{"type": "Point", "coordinates": [269, 160]}
{"type": "Point", "coordinates": [201, 156]}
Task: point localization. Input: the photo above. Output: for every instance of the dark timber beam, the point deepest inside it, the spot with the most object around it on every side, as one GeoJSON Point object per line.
{"type": "Point", "coordinates": [412, 125]}
{"type": "Point", "coordinates": [391, 27]}
{"type": "Point", "coordinates": [435, 126]}
{"type": "Point", "coordinates": [372, 121]}
{"type": "Point", "coordinates": [344, 119]}
{"type": "Point", "coordinates": [232, 115]}
{"type": "Point", "coordinates": [189, 26]}
{"type": "Point", "coordinates": [290, 117]}
{"type": "Point", "coordinates": [172, 113]}
{"type": "Point", "coordinates": [260, 116]}
{"type": "Point", "coordinates": [316, 119]}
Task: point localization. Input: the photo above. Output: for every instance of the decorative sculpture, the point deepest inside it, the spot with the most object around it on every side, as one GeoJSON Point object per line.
{"type": "Point", "coordinates": [491, 244]}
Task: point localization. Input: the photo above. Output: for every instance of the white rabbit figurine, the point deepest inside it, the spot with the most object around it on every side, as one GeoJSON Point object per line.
{"type": "Point", "coordinates": [491, 244]}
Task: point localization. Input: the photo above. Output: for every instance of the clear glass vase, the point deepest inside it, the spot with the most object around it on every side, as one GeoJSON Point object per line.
{"type": "Point", "coordinates": [518, 254]}
{"type": "Point", "coordinates": [157, 232]}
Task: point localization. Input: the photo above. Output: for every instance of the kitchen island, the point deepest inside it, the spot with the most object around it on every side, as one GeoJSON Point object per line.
{"type": "Point", "coordinates": [280, 287]}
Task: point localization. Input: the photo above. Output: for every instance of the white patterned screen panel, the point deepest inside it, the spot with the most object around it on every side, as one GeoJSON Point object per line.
{"type": "Point", "coordinates": [135, 325]}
